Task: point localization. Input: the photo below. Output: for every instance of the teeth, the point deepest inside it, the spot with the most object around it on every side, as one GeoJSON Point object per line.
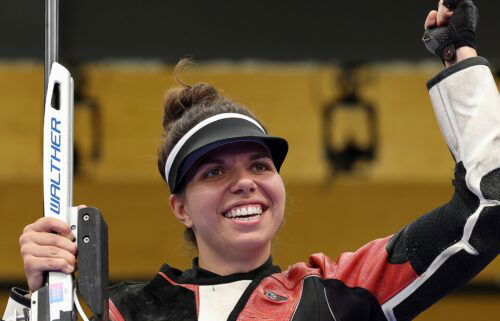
{"type": "Point", "coordinates": [243, 211]}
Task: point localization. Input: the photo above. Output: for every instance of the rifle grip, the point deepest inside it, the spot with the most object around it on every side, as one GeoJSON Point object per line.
{"type": "Point", "coordinates": [93, 261]}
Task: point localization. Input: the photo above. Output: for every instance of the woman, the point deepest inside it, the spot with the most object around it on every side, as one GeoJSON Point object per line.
{"type": "Point", "coordinates": [222, 169]}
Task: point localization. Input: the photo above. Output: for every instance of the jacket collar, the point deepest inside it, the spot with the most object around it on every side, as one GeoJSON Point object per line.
{"type": "Point", "coordinates": [197, 275]}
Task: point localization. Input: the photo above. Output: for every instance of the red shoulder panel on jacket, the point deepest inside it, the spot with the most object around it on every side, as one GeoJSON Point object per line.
{"type": "Point", "coordinates": [367, 268]}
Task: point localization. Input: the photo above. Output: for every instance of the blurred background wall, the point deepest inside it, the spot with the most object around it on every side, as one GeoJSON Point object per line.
{"type": "Point", "coordinates": [343, 82]}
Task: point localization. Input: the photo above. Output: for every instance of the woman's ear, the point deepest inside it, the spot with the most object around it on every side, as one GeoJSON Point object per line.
{"type": "Point", "coordinates": [178, 206]}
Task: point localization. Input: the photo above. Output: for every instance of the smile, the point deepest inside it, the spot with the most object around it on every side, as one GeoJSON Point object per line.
{"type": "Point", "coordinates": [245, 213]}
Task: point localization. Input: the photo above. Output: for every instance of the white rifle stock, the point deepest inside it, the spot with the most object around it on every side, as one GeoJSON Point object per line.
{"type": "Point", "coordinates": [55, 301]}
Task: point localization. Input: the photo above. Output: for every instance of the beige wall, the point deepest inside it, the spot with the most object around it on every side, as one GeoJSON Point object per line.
{"type": "Point", "coordinates": [288, 98]}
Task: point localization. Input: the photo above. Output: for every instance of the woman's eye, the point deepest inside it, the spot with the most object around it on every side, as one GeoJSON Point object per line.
{"type": "Point", "coordinates": [260, 167]}
{"type": "Point", "coordinates": [214, 172]}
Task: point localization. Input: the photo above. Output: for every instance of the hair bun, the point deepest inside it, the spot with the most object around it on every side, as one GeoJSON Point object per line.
{"type": "Point", "coordinates": [180, 99]}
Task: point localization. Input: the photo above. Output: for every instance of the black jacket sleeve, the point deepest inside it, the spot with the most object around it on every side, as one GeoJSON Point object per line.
{"type": "Point", "coordinates": [453, 243]}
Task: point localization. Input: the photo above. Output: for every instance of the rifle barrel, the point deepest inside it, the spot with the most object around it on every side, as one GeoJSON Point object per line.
{"type": "Point", "coordinates": [51, 37]}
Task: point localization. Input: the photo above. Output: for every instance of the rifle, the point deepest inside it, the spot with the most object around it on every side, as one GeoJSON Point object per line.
{"type": "Point", "coordinates": [56, 300]}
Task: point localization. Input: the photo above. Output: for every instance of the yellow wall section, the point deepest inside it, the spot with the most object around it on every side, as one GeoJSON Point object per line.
{"type": "Point", "coordinates": [288, 99]}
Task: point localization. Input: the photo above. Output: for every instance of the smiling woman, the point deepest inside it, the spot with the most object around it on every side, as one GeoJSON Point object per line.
{"type": "Point", "coordinates": [212, 149]}
{"type": "Point", "coordinates": [234, 202]}
{"type": "Point", "coordinates": [222, 169]}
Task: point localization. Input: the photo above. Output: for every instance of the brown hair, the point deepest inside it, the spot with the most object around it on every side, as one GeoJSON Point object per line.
{"type": "Point", "coordinates": [183, 108]}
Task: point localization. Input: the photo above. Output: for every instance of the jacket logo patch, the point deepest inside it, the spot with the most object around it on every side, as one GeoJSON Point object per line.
{"type": "Point", "coordinates": [275, 297]}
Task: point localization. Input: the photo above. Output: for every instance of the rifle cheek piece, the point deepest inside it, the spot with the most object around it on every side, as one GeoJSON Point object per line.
{"type": "Point", "coordinates": [93, 269]}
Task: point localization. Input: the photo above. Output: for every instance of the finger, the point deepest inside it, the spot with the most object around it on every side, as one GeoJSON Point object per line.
{"type": "Point", "coordinates": [430, 21]}
{"type": "Point", "coordinates": [35, 266]}
{"type": "Point", "coordinates": [68, 234]}
{"type": "Point", "coordinates": [48, 239]}
{"type": "Point", "coordinates": [443, 15]}
{"type": "Point", "coordinates": [30, 250]}
{"type": "Point", "coordinates": [50, 225]}
{"type": "Point", "coordinates": [82, 206]}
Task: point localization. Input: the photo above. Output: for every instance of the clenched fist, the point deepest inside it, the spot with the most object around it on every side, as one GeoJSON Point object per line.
{"type": "Point", "coordinates": [450, 30]}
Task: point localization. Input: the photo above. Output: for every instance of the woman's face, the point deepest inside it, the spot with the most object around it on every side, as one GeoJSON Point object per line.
{"type": "Point", "coordinates": [234, 200]}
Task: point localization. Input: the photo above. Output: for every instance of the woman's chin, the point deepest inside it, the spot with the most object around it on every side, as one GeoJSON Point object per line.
{"type": "Point", "coordinates": [249, 244]}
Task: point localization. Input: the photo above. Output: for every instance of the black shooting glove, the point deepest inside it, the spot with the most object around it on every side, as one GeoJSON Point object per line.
{"type": "Point", "coordinates": [460, 31]}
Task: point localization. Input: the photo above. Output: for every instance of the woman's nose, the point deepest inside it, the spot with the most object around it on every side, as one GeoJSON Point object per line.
{"type": "Point", "coordinates": [243, 182]}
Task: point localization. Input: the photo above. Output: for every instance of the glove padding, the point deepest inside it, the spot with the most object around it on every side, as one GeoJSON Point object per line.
{"type": "Point", "coordinates": [460, 31]}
